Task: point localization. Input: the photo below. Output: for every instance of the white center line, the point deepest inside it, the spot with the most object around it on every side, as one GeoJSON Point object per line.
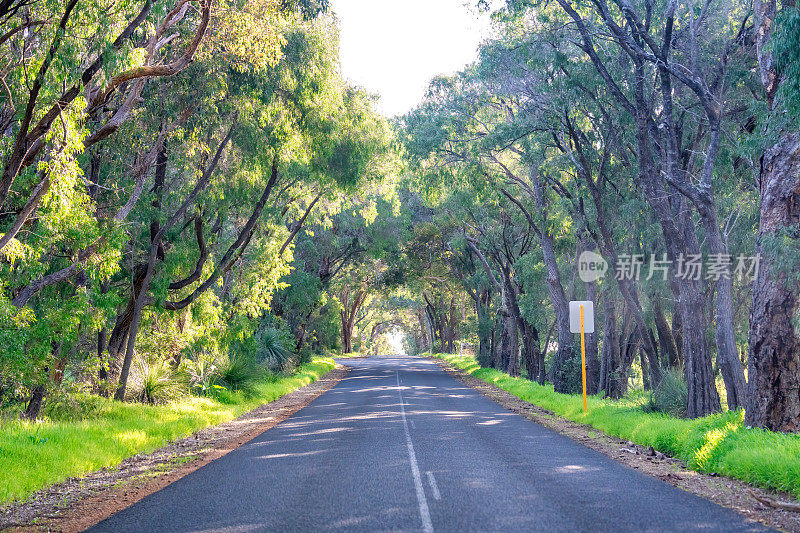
{"type": "Point", "coordinates": [434, 487]}
{"type": "Point", "coordinates": [424, 514]}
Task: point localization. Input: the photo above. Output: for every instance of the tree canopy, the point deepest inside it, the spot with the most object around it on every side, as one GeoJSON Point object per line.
{"type": "Point", "coordinates": [194, 180]}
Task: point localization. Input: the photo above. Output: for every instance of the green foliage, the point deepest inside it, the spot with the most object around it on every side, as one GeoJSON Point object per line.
{"type": "Point", "coordinates": [203, 373]}
{"type": "Point", "coordinates": [571, 373]}
{"type": "Point", "coordinates": [786, 51]}
{"type": "Point", "coordinates": [669, 396]}
{"type": "Point", "coordinates": [72, 406]}
{"type": "Point", "coordinates": [783, 248]}
{"type": "Point", "coordinates": [239, 374]}
{"type": "Point", "coordinates": [268, 73]}
{"type": "Point", "coordinates": [156, 382]}
{"type": "Point", "coordinates": [274, 347]}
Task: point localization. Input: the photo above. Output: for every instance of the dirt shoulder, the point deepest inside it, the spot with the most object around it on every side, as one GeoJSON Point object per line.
{"type": "Point", "coordinates": [724, 491]}
{"type": "Point", "coordinates": [79, 503]}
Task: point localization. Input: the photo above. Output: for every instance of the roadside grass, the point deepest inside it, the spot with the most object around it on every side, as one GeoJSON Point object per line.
{"type": "Point", "coordinates": [350, 355]}
{"type": "Point", "coordinates": [717, 443]}
{"type": "Point", "coordinates": [34, 455]}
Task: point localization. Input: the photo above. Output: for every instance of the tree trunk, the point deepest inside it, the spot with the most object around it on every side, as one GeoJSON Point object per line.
{"type": "Point", "coordinates": [347, 339]}
{"type": "Point", "coordinates": [501, 355]}
{"type": "Point", "coordinates": [34, 404]}
{"type": "Point", "coordinates": [566, 340]}
{"type": "Point", "coordinates": [727, 353]}
{"type": "Point", "coordinates": [630, 341]}
{"type": "Point", "coordinates": [773, 395]}
{"type": "Point", "coordinates": [703, 398]}
{"type": "Point", "coordinates": [348, 315]}
{"type": "Point", "coordinates": [530, 351]}
{"type": "Point", "coordinates": [493, 350]}
{"type": "Point", "coordinates": [512, 364]}
{"type": "Point", "coordinates": [677, 334]}
{"type": "Point", "coordinates": [507, 343]}
{"type": "Point", "coordinates": [423, 330]}
{"type": "Point", "coordinates": [612, 363]}
{"type": "Point", "coordinates": [56, 376]}
{"type": "Point", "coordinates": [647, 384]}
{"type": "Point", "coordinates": [139, 299]}
{"type": "Point", "coordinates": [665, 339]}
{"type": "Point", "coordinates": [443, 326]}
{"type": "Point", "coordinates": [773, 391]}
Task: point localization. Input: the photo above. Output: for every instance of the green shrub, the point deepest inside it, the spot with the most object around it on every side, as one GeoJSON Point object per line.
{"type": "Point", "coordinates": [202, 372]}
{"type": "Point", "coordinates": [305, 356]}
{"type": "Point", "coordinates": [65, 405]}
{"type": "Point", "coordinates": [239, 374]}
{"type": "Point", "coordinates": [156, 382]}
{"type": "Point", "coordinates": [669, 397]}
{"type": "Point", "coordinates": [274, 348]}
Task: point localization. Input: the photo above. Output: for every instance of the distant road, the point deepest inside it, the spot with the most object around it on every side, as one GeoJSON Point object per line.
{"type": "Point", "coordinates": [400, 445]}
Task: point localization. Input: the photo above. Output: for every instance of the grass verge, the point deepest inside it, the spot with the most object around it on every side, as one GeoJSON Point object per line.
{"type": "Point", "coordinates": [34, 455]}
{"type": "Point", "coordinates": [717, 443]}
{"type": "Point", "coordinates": [351, 355]}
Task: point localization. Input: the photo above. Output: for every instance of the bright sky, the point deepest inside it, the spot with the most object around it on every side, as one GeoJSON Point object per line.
{"type": "Point", "coordinates": [394, 48]}
{"type": "Point", "coordinates": [395, 338]}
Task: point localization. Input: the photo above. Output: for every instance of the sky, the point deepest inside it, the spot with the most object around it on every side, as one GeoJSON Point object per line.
{"type": "Point", "coordinates": [394, 48]}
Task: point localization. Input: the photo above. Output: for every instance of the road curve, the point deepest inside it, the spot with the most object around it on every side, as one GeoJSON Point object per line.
{"type": "Point", "coordinates": [399, 445]}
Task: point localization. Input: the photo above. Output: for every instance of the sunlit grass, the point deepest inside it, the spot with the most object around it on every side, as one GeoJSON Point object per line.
{"type": "Point", "coordinates": [351, 355]}
{"type": "Point", "coordinates": [717, 443]}
{"type": "Point", "coordinates": [36, 455]}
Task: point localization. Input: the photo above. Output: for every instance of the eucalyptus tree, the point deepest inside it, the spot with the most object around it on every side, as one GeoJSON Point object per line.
{"type": "Point", "coordinates": [467, 126]}
{"type": "Point", "coordinates": [51, 129]}
{"type": "Point", "coordinates": [552, 104]}
{"type": "Point", "coordinates": [428, 272]}
{"type": "Point", "coordinates": [75, 74]}
{"type": "Point", "coordinates": [667, 70]}
{"type": "Point", "coordinates": [506, 245]}
{"type": "Point", "coordinates": [773, 399]}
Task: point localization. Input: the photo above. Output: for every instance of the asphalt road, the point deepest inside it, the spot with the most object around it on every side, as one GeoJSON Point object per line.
{"type": "Point", "coordinates": [399, 445]}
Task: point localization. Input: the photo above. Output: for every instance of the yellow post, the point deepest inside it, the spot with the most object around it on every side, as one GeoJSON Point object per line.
{"type": "Point", "coordinates": [583, 362]}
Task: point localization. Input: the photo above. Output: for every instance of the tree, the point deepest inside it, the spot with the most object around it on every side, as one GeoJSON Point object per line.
{"type": "Point", "coordinates": [773, 399]}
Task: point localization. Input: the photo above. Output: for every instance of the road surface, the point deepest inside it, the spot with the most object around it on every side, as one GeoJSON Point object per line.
{"type": "Point", "coordinates": [400, 445]}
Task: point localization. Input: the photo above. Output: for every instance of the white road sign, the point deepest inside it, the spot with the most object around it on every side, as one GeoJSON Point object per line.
{"type": "Point", "coordinates": [575, 316]}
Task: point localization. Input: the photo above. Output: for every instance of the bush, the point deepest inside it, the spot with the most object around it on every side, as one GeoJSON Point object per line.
{"type": "Point", "coordinates": [157, 382]}
{"type": "Point", "coordinates": [305, 356]}
{"type": "Point", "coordinates": [239, 374]}
{"type": "Point", "coordinates": [669, 397]}
{"type": "Point", "coordinates": [202, 372]}
{"type": "Point", "coordinates": [274, 347]}
{"type": "Point", "coordinates": [66, 405]}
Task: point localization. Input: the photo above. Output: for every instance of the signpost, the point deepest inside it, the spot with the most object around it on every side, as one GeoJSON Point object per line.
{"type": "Point", "coordinates": [581, 320]}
